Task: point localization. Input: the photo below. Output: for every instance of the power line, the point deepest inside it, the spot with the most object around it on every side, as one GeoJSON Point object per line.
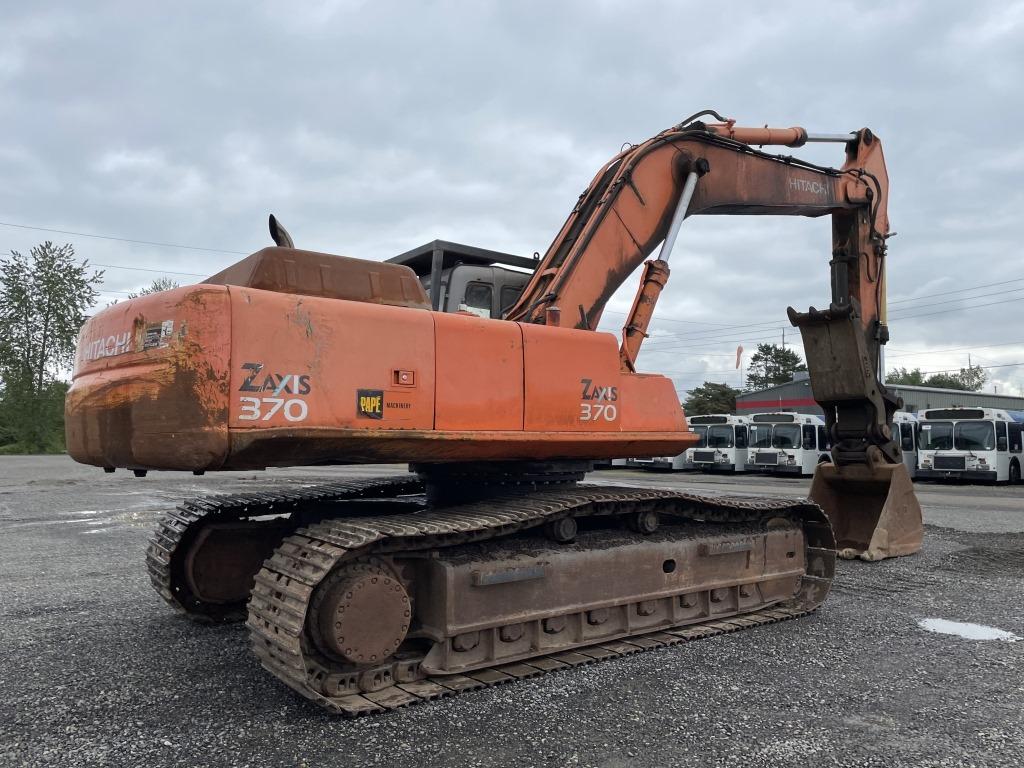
{"type": "Point", "coordinates": [960, 290]}
{"type": "Point", "coordinates": [123, 239]}
{"type": "Point", "coordinates": [954, 349]}
{"type": "Point", "coordinates": [709, 333]}
{"type": "Point", "coordinates": [675, 338]}
{"type": "Point", "coordinates": [139, 269]}
{"type": "Point", "coordinates": [959, 309]}
{"type": "Point", "coordinates": [144, 269]}
{"type": "Point", "coordinates": [712, 343]}
{"type": "Point", "coordinates": [965, 298]}
{"type": "Point", "coordinates": [957, 370]}
{"type": "Point", "coordinates": [699, 335]}
{"type": "Point", "coordinates": [670, 319]}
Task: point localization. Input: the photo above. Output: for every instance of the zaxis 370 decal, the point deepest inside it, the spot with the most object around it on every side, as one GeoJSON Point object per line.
{"type": "Point", "coordinates": [602, 410]}
{"type": "Point", "coordinates": [279, 385]}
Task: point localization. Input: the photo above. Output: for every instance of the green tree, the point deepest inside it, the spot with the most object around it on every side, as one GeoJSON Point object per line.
{"type": "Point", "coordinates": [158, 285]}
{"type": "Point", "coordinates": [43, 300]}
{"type": "Point", "coordinates": [970, 379]}
{"type": "Point", "coordinates": [772, 364]}
{"type": "Point", "coordinates": [711, 398]}
{"type": "Point", "coordinates": [905, 376]}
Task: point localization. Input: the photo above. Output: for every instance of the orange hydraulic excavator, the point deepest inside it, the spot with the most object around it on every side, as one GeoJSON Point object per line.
{"type": "Point", "coordinates": [490, 561]}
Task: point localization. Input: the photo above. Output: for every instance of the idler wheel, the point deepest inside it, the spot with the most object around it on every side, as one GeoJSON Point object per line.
{"type": "Point", "coordinates": [562, 530]}
{"type": "Point", "coordinates": [363, 614]}
{"type": "Point", "coordinates": [645, 522]}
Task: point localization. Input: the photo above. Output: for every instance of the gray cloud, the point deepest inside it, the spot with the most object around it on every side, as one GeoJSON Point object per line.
{"type": "Point", "coordinates": [372, 127]}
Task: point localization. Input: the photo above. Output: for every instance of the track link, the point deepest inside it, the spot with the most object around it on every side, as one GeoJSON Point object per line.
{"type": "Point", "coordinates": [180, 526]}
{"type": "Point", "coordinates": [284, 588]}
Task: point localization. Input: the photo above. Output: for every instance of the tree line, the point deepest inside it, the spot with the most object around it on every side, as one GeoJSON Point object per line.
{"type": "Point", "coordinates": [45, 296]}
{"type": "Point", "coordinates": [773, 364]}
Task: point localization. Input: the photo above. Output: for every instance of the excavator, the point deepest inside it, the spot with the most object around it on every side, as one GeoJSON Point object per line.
{"type": "Point", "coordinates": [490, 560]}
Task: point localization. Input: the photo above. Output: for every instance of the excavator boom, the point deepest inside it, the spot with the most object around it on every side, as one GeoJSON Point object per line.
{"type": "Point", "coordinates": [639, 199]}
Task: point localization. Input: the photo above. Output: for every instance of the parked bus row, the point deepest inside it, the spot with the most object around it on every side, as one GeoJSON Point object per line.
{"type": "Point", "coordinates": [978, 444]}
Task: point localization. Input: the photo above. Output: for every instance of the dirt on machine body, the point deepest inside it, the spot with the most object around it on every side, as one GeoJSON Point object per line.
{"type": "Point", "coordinates": [491, 560]}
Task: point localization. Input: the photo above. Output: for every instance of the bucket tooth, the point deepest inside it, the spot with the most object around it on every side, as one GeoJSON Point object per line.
{"type": "Point", "coordinates": [872, 508]}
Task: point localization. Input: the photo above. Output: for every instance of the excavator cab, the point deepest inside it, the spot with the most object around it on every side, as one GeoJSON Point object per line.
{"type": "Point", "coordinates": [465, 278]}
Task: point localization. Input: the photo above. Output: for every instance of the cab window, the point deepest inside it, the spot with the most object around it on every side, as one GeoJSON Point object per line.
{"type": "Point", "coordinates": [509, 294]}
{"type": "Point", "coordinates": [478, 299]}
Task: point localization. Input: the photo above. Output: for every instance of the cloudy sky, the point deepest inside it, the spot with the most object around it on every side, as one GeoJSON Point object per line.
{"type": "Point", "coordinates": [372, 127]}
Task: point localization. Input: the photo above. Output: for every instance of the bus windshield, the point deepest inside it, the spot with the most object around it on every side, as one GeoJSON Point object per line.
{"type": "Point", "coordinates": [760, 435]}
{"type": "Point", "coordinates": [702, 433]}
{"type": "Point", "coordinates": [720, 436]}
{"type": "Point", "coordinates": [975, 436]}
{"type": "Point", "coordinates": [936, 436]}
{"type": "Point", "coordinates": [786, 436]}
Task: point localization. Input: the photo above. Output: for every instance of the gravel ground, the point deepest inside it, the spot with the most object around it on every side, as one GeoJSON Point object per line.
{"type": "Point", "coordinates": [95, 670]}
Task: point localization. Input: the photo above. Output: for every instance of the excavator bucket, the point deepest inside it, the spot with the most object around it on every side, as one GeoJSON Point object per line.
{"type": "Point", "coordinates": [872, 508]}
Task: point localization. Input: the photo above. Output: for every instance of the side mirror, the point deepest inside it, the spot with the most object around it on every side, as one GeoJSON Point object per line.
{"type": "Point", "coordinates": [1001, 444]}
{"type": "Point", "coordinates": [907, 443]}
{"type": "Point", "coordinates": [741, 441]}
{"type": "Point", "coordinates": [808, 445]}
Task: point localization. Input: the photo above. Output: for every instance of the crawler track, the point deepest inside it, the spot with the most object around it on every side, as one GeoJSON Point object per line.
{"type": "Point", "coordinates": [285, 587]}
{"type": "Point", "coordinates": [178, 527]}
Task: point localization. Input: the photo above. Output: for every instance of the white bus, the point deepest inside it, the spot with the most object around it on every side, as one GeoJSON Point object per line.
{"type": "Point", "coordinates": [683, 461]}
{"type": "Point", "coordinates": [904, 432]}
{"type": "Point", "coordinates": [725, 443]}
{"type": "Point", "coordinates": [787, 443]}
{"type": "Point", "coordinates": [970, 444]}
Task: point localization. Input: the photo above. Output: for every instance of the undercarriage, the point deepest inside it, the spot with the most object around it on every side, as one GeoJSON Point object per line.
{"type": "Point", "coordinates": [374, 594]}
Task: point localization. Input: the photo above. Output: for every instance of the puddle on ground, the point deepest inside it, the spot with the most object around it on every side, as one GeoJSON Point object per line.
{"type": "Point", "coordinates": [966, 630]}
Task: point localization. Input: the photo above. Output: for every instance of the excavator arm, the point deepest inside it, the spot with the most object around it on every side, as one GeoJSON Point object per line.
{"type": "Point", "coordinates": [639, 200]}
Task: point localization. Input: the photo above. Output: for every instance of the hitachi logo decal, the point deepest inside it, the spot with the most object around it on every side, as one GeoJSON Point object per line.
{"type": "Point", "coordinates": [802, 185]}
{"type": "Point", "coordinates": [108, 347]}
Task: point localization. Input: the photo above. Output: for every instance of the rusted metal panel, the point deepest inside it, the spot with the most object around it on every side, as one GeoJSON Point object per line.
{"type": "Point", "coordinates": [479, 378]}
{"type": "Point", "coordinates": [288, 446]}
{"type": "Point", "coordinates": [572, 381]}
{"type": "Point", "coordinates": [307, 273]}
{"type": "Point", "coordinates": [150, 383]}
{"type": "Point", "coordinates": [310, 363]}
{"type": "Point", "coordinates": [581, 576]}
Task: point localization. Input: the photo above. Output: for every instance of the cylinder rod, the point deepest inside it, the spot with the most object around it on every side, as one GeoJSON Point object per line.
{"type": "Point", "coordinates": [677, 218]}
{"type": "Point", "coordinates": [840, 138]}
